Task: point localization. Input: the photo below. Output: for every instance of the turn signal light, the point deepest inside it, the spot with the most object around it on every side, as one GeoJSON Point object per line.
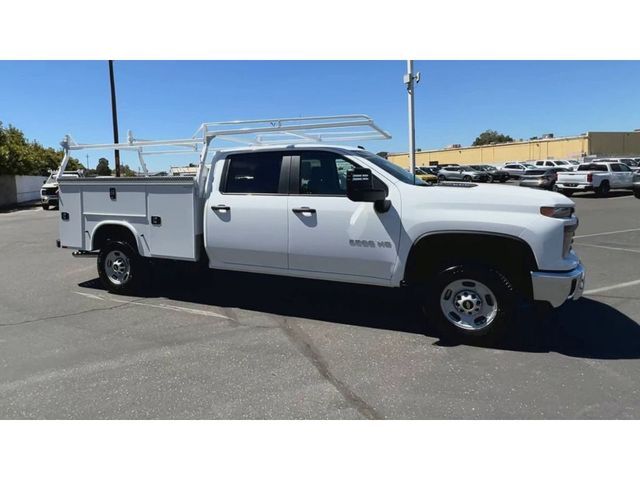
{"type": "Point", "coordinates": [557, 212]}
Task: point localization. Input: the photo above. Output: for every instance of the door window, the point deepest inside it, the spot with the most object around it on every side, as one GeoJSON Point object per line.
{"type": "Point", "coordinates": [258, 172]}
{"type": "Point", "coordinates": [616, 167]}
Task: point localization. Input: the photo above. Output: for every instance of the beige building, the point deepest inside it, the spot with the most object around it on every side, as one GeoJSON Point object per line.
{"type": "Point", "coordinates": [590, 143]}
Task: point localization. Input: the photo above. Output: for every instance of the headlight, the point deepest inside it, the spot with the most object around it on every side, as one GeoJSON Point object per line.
{"type": "Point", "coordinates": [557, 212]}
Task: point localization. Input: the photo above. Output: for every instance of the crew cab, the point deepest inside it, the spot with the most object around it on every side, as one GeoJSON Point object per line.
{"type": "Point", "coordinates": [330, 212]}
{"type": "Point", "coordinates": [600, 178]}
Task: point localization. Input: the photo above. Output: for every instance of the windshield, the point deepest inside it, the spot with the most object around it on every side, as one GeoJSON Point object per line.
{"type": "Point", "coordinates": [389, 167]}
{"type": "Point", "coordinates": [561, 162]}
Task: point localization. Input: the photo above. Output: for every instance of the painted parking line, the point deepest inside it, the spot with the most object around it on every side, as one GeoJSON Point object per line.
{"type": "Point", "coordinates": [612, 287]}
{"type": "Point", "coordinates": [175, 308]}
{"type": "Point", "coordinates": [607, 247]}
{"type": "Point", "coordinates": [608, 233]}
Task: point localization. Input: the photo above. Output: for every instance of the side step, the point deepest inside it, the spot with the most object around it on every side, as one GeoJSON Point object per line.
{"type": "Point", "coordinates": [84, 253]}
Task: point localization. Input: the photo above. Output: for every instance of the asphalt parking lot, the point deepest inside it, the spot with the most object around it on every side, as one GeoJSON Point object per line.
{"type": "Point", "coordinates": [246, 346]}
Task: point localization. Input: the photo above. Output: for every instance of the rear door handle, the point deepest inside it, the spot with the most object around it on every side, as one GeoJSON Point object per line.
{"type": "Point", "coordinates": [303, 210]}
{"type": "Point", "coordinates": [220, 208]}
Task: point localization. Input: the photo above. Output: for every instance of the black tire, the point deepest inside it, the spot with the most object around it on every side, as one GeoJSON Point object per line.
{"type": "Point", "coordinates": [502, 180]}
{"type": "Point", "coordinates": [466, 178]}
{"type": "Point", "coordinates": [441, 178]}
{"type": "Point", "coordinates": [566, 193]}
{"type": "Point", "coordinates": [45, 206]}
{"type": "Point", "coordinates": [131, 263]}
{"type": "Point", "coordinates": [490, 179]}
{"type": "Point", "coordinates": [501, 293]}
{"type": "Point", "coordinates": [603, 190]}
{"type": "Point", "coordinates": [636, 192]}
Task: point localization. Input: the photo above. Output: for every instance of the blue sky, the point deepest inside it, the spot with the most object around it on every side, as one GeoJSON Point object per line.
{"type": "Point", "coordinates": [455, 100]}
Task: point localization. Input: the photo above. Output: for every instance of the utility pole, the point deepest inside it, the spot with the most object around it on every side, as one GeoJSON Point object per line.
{"type": "Point", "coordinates": [88, 167]}
{"type": "Point", "coordinates": [410, 80]}
{"type": "Point", "coordinates": [114, 115]}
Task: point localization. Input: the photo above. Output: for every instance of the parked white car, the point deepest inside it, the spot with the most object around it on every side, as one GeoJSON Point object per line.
{"type": "Point", "coordinates": [516, 170]}
{"type": "Point", "coordinates": [599, 177]}
{"type": "Point", "coordinates": [552, 163]}
{"type": "Point", "coordinates": [330, 212]}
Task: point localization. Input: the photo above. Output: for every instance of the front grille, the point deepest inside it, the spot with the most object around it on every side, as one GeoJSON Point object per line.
{"type": "Point", "coordinates": [50, 191]}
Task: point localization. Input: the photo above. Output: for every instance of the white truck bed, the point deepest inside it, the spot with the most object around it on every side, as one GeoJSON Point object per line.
{"type": "Point", "coordinates": [138, 203]}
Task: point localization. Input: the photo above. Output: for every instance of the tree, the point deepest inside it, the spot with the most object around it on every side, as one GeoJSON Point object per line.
{"type": "Point", "coordinates": [103, 167]}
{"type": "Point", "coordinates": [19, 156]}
{"type": "Point", "coordinates": [126, 171]}
{"type": "Point", "coordinates": [491, 136]}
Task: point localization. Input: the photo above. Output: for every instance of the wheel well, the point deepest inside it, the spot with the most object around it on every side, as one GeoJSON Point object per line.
{"type": "Point", "coordinates": [511, 255]}
{"type": "Point", "coordinates": [113, 232]}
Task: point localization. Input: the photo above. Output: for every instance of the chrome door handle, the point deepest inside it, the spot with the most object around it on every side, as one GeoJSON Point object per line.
{"type": "Point", "coordinates": [303, 210]}
{"type": "Point", "coordinates": [219, 208]}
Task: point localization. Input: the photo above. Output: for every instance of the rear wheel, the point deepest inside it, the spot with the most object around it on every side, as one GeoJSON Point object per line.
{"type": "Point", "coordinates": [470, 304]}
{"type": "Point", "coordinates": [636, 192]}
{"type": "Point", "coordinates": [502, 180]}
{"type": "Point", "coordinates": [441, 178]}
{"type": "Point", "coordinates": [603, 190]}
{"type": "Point", "coordinates": [121, 268]}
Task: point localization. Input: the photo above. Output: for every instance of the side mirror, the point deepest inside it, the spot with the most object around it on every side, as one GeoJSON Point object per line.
{"type": "Point", "coordinates": [360, 189]}
{"type": "Point", "coordinates": [360, 186]}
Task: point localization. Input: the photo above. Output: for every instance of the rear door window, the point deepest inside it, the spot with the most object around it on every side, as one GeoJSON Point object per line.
{"type": "Point", "coordinates": [258, 172]}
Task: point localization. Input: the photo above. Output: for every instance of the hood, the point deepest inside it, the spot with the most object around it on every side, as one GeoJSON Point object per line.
{"type": "Point", "coordinates": [486, 197]}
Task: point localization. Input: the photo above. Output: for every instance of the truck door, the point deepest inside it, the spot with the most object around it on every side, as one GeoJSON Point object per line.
{"type": "Point", "coordinates": [617, 177]}
{"type": "Point", "coordinates": [329, 234]}
{"type": "Point", "coordinates": [246, 212]}
{"type": "Point", "coordinates": [626, 175]}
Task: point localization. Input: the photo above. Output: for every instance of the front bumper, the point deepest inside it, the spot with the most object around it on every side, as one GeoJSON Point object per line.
{"type": "Point", "coordinates": [49, 199]}
{"type": "Point", "coordinates": [558, 287]}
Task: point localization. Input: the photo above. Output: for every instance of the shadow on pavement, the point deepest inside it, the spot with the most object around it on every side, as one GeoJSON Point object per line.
{"type": "Point", "coordinates": [586, 328]}
{"type": "Point", "coordinates": [613, 194]}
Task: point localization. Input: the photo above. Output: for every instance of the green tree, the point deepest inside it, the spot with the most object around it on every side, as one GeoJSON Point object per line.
{"type": "Point", "coordinates": [19, 156]}
{"type": "Point", "coordinates": [491, 136]}
{"type": "Point", "coordinates": [126, 171]}
{"type": "Point", "coordinates": [103, 167]}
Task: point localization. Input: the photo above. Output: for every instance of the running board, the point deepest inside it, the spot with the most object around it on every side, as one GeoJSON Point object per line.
{"type": "Point", "coordinates": [84, 253]}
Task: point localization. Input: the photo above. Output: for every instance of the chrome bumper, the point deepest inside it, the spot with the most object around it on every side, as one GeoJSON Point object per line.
{"type": "Point", "coordinates": [558, 287]}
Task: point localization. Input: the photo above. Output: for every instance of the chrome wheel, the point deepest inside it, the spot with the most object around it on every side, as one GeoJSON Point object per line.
{"type": "Point", "coordinates": [117, 266]}
{"type": "Point", "coordinates": [468, 304]}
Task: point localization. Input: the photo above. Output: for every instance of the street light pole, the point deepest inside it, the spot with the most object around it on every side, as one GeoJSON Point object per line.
{"type": "Point", "coordinates": [410, 80]}
{"type": "Point", "coordinates": [114, 115]}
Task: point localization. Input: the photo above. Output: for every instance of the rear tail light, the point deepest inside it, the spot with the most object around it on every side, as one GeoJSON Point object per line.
{"type": "Point", "coordinates": [589, 177]}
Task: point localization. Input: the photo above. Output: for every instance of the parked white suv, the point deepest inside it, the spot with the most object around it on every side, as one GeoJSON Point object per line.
{"type": "Point", "coordinates": [338, 213]}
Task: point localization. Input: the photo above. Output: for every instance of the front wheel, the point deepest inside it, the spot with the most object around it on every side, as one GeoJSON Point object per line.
{"type": "Point", "coordinates": [466, 178]}
{"type": "Point", "coordinates": [45, 206]}
{"type": "Point", "coordinates": [441, 178]}
{"type": "Point", "coordinates": [470, 304]}
{"type": "Point", "coordinates": [121, 269]}
{"type": "Point", "coordinates": [489, 178]}
{"type": "Point", "coordinates": [636, 192]}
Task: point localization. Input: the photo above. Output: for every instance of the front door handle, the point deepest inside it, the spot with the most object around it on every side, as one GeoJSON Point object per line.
{"type": "Point", "coordinates": [220, 208]}
{"type": "Point", "coordinates": [303, 210]}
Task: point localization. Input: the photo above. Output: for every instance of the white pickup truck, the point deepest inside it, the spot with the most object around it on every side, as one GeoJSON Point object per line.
{"type": "Point", "coordinates": [595, 177]}
{"type": "Point", "coordinates": [337, 213]}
